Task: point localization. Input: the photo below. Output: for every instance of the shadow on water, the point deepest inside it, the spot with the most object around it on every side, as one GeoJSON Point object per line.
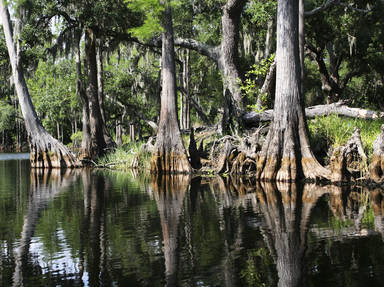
{"type": "Point", "coordinates": [183, 231]}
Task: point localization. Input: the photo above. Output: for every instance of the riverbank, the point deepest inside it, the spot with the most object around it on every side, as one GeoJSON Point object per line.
{"type": "Point", "coordinates": [233, 154]}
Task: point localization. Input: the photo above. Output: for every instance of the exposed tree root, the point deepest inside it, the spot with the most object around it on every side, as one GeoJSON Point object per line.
{"type": "Point", "coordinates": [286, 156]}
{"type": "Point", "coordinates": [47, 152]}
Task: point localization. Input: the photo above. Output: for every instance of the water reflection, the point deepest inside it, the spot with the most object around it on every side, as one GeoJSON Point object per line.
{"type": "Point", "coordinates": [377, 199]}
{"type": "Point", "coordinates": [92, 228]}
{"type": "Point", "coordinates": [93, 239]}
{"type": "Point", "coordinates": [169, 194]}
{"type": "Point", "coordinates": [44, 186]}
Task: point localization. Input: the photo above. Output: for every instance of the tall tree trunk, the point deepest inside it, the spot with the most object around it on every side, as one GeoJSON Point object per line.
{"type": "Point", "coordinates": [301, 44]}
{"type": "Point", "coordinates": [186, 85]}
{"type": "Point", "coordinates": [170, 155]}
{"type": "Point", "coordinates": [100, 75]}
{"type": "Point", "coordinates": [268, 39]}
{"type": "Point", "coordinates": [96, 124]}
{"type": "Point", "coordinates": [229, 65]}
{"type": "Point", "coordinates": [286, 153]}
{"type": "Point", "coordinates": [100, 91]}
{"type": "Point", "coordinates": [45, 151]}
{"type": "Point", "coordinates": [85, 151]}
{"type": "Point", "coordinates": [181, 112]}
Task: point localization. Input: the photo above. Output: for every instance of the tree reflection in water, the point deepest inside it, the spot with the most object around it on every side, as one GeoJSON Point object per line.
{"type": "Point", "coordinates": [45, 185]}
{"type": "Point", "coordinates": [210, 229]}
{"type": "Point", "coordinates": [169, 191]}
{"type": "Point", "coordinates": [93, 240]}
{"type": "Point", "coordinates": [286, 211]}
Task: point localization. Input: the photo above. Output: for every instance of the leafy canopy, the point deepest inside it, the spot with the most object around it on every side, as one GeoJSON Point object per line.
{"type": "Point", "coordinates": [151, 11]}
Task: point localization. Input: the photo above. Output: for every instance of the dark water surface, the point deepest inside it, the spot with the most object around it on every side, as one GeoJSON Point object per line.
{"type": "Point", "coordinates": [97, 228]}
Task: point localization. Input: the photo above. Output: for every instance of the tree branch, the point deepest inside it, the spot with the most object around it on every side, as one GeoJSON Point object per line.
{"type": "Point", "coordinates": [321, 8]}
{"type": "Point", "coordinates": [203, 49]}
{"type": "Point", "coordinates": [330, 3]}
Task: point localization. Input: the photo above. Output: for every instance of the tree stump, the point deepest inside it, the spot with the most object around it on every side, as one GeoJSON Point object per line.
{"type": "Point", "coordinates": [338, 165]}
{"type": "Point", "coordinates": [354, 152]}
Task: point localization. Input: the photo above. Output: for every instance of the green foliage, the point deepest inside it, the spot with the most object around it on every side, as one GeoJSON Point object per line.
{"type": "Point", "coordinates": [261, 11]}
{"type": "Point", "coordinates": [251, 85]}
{"type": "Point", "coordinates": [53, 92]}
{"type": "Point", "coordinates": [7, 116]}
{"type": "Point", "coordinates": [152, 11]}
{"type": "Point", "coordinates": [351, 41]}
{"type": "Point", "coordinates": [337, 130]}
{"type": "Point", "coordinates": [132, 80]}
{"type": "Point", "coordinates": [76, 139]}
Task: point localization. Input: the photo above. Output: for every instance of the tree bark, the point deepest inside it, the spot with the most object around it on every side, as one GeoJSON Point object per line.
{"type": "Point", "coordinates": [186, 96]}
{"type": "Point", "coordinates": [100, 91]}
{"type": "Point", "coordinates": [301, 44]}
{"type": "Point", "coordinates": [85, 151]}
{"type": "Point", "coordinates": [268, 39]}
{"type": "Point", "coordinates": [254, 118]}
{"type": "Point", "coordinates": [170, 155]}
{"type": "Point", "coordinates": [286, 153]}
{"type": "Point", "coordinates": [45, 151]}
{"type": "Point", "coordinates": [100, 74]}
{"type": "Point", "coordinates": [228, 64]}
{"type": "Point", "coordinates": [96, 124]}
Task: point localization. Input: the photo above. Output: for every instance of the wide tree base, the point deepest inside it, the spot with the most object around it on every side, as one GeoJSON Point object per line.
{"type": "Point", "coordinates": [290, 169]}
{"type": "Point", "coordinates": [170, 163]}
{"type": "Point", "coordinates": [47, 152]}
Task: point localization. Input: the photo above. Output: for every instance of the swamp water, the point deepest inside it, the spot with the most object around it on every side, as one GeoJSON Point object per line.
{"type": "Point", "coordinates": [99, 228]}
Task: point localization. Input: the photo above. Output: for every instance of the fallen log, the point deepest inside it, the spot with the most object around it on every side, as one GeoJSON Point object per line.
{"type": "Point", "coordinates": [339, 108]}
